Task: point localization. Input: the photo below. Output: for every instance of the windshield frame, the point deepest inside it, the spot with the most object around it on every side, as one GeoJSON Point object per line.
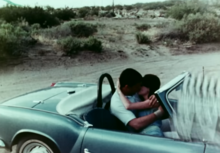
{"type": "Point", "coordinates": [162, 93]}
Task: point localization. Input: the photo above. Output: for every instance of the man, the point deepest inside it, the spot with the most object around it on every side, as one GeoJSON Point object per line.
{"type": "Point", "coordinates": [130, 83]}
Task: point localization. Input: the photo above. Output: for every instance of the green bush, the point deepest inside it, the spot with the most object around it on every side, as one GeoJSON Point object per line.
{"type": "Point", "coordinates": [184, 8]}
{"type": "Point", "coordinates": [73, 46]}
{"type": "Point", "coordinates": [158, 5]}
{"type": "Point", "coordinates": [142, 38]}
{"type": "Point", "coordinates": [107, 14]}
{"type": "Point", "coordinates": [57, 32]}
{"type": "Point", "coordinates": [14, 41]}
{"type": "Point", "coordinates": [128, 7]}
{"type": "Point", "coordinates": [162, 25]}
{"type": "Point", "coordinates": [35, 26]}
{"type": "Point", "coordinates": [200, 28]}
{"type": "Point", "coordinates": [93, 44]}
{"type": "Point", "coordinates": [83, 12]}
{"type": "Point", "coordinates": [70, 45]}
{"type": "Point", "coordinates": [81, 29]}
{"type": "Point", "coordinates": [64, 14]}
{"type": "Point", "coordinates": [110, 15]}
{"type": "Point", "coordinates": [119, 7]}
{"type": "Point", "coordinates": [143, 27]}
{"type": "Point", "coordinates": [108, 8]}
{"type": "Point", "coordinates": [31, 15]}
{"type": "Point", "coordinates": [94, 11]}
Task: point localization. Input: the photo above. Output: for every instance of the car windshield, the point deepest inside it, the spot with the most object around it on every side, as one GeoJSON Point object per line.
{"type": "Point", "coordinates": [174, 96]}
{"type": "Point", "coordinates": [194, 116]}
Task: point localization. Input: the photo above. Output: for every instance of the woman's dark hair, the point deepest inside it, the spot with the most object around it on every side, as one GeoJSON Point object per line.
{"type": "Point", "coordinates": [152, 82]}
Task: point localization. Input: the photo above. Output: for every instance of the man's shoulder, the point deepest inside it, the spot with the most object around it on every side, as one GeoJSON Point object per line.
{"type": "Point", "coordinates": [115, 97]}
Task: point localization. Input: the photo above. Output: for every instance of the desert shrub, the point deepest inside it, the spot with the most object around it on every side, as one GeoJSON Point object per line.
{"type": "Point", "coordinates": [200, 28]}
{"type": "Point", "coordinates": [35, 26]}
{"type": "Point", "coordinates": [57, 32]}
{"type": "Point", "coordinates": [108, 8]}
{"type": "Point", "coordinates": [100, 25]}
{"type": "Point", "coordinates": [138, 5]}
{"type": "Point", "coordinates": [169, 42]}
{"type": "Point", "coordinates": [171, 33]}
{"type": "Point", "coordinates": [83, 12]}
{"type": "Point", "coordinates": [93, 44]}
{"type": "Point", "coordinates": [184, 8]}
{"type": "Point", "coordinates": [128, 7]}
{"type": "Point", "coordinates": [81, 29]}
{"type": "Point", "coordinates": [107, 14]}
{"type": "Point", "coordinates": [161, 25]}
{"type": "Point", "coordinates": [94, 11]}
{"type": "Point", "coordinates": [103, 14]}
{"type": "Point", "coordinates": [119, 7]}
{"type": "Point", "coordinates": [31, 15]}
{"type": "Point", "coordinates": [143, 27]}
{"type": "Point", "coordinates": [110, 15]}
{"type": "Point", "coordinates": [158, 5]}
{"type": "Point", "coordinates": [2, 21]}
{"type": "Point", "coordinates": [14, 41]}
{"type": "Point", "coordinates": [50, 9]}
{"type": "Point", "coordinates": [71, 45]}
{"type": "Point", "coordinates": [64, 14]}
{"type": "Point", "coordinates": [142, 38]}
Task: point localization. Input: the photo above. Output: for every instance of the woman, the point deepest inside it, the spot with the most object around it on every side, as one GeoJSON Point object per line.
{"type": "Point", "coordinates": [150, 84]}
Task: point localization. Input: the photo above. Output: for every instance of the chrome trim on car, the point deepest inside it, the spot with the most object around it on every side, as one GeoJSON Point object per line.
{"type": "Point", "coordinates": [2, 144]}
{"type": "Point", "coordinates": [37, 101]}
{"type": "Point", "coordinates": [74, 118]}
{"type": "Point", "coordinates": [86, 124]}
{"type": "Point", "coordinates": [86, 150]}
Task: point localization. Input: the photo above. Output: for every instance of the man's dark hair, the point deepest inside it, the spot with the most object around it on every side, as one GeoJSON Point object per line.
{"type": "Point", "coordinates": [130, 77]}
{"type": "Point", "coordinates": [152, 82]}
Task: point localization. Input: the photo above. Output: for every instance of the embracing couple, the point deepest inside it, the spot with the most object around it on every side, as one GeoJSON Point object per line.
{"type": "Point", "coordinates": [135, 105]}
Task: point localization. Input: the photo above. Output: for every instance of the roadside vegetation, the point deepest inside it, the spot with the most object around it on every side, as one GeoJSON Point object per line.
{"type": "Point", "coordinates": [142, 38]}
{"type": "Point", "coordinates": [14, 40]}
{"type": "Point", "coordinates": [195, 22]}
{"type": "Point", "coordinates": [143, 27]}
{"type": "Point", "coordinates": [70, 31]}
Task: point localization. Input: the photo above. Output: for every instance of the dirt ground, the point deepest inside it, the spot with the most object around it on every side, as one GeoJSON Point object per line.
{"type": "Point", "coordinates": [16, 81]}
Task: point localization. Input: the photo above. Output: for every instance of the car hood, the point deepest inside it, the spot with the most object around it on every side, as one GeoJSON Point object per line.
{"type": "Point", "coordinates": [47, 98]}
{"type": "Point", "coordinates": [34, 98]}
{"type": "Point", "coordinates": [64, 98]}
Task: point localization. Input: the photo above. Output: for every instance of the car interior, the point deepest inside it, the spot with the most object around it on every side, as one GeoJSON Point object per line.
{"type": "Point", "coordinates": [101, 117]}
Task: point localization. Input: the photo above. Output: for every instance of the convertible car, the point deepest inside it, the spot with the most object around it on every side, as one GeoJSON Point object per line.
{"type": "Point", "coordinates": [75, 118]}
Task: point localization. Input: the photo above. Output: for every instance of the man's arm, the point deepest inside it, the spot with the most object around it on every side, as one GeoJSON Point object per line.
{"type": "Point", "coordinates": [142, 122]}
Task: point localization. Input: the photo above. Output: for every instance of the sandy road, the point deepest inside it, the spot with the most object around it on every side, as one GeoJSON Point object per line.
{"type": "Point", "coordinates": [14, 82]}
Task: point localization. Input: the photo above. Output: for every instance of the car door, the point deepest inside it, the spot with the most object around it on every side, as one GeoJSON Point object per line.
{"type": "Point", "coordinates": [212, 148]}
{"type": "Point", "coordinates": [106, 141]}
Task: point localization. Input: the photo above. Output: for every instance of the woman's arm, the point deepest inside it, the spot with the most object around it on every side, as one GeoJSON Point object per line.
{"type": "Point", "coordinates": [149, 103]}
